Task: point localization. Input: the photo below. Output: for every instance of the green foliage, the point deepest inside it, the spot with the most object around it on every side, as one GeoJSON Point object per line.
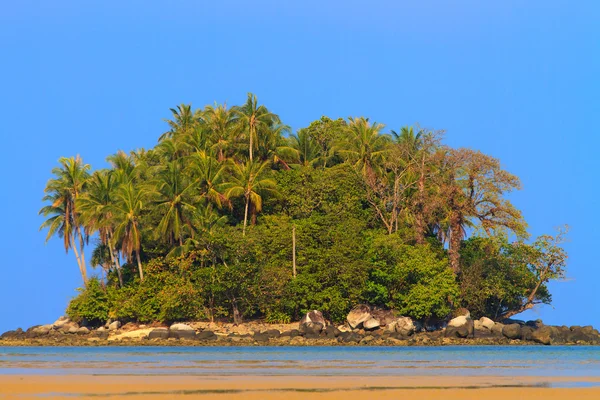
{"type": "Point", "coordinates": [415, 280]}
{"type": "Point", "coordinates": [200, 226]}
{"type": "Point", "coordinates": [91, 305]}
{"type": "Point", "coordinates": [277, 317]}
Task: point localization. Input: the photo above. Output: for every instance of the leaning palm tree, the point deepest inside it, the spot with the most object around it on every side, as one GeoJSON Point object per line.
{"type": "Point", "coordinates": [95, 212]}
{"type": "Point", "coordinates": [62, 192]}
{"type": "Point", "coordinates": [252, 117]}
{"type": "Point", "coordinates": [249, 180]}
{"type": "Point", "coordinates": [127, 210]}
{"type": "Point", "coordinates": [364, 146]}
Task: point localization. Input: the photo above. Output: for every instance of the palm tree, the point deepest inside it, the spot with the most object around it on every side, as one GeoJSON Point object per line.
{"type": "Point", "coordinates": [209, 174]}
{"type": "Point", "coordinates": [220, 123]}
{"type": "Point", "coordinates": [96, 215]}
{"type": "Point", "coordinates": [173, 201]}
{"type": "Point", "coordinates": [62, 192]}
{"type": "Point", "coordinates": [364, 146]}
{"type": "Point", "coordinates": [252, 117]}
{"type": "Point", "coordinates": [307, 149]}
{"type": "Point", "coordinates": [127, 210]}
{"type": "Point", "coordinates": [250, 181]}
{"type": "Point", "coordinates": [184, 121]}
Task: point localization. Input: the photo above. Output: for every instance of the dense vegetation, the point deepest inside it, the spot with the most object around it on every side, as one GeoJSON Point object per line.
{"type": "Point", "coordinates": [232, 216]}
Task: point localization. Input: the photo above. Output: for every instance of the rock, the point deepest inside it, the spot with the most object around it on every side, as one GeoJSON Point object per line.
{"type": "Point", "coordinates": [291, 333]}
{"type": "Point", "coordinates": [158, 333]}
{"type": "Point", "coordinates": [358, 315]}
{"type": "Point", "coordinates": [113, 326]}
{"type": "Point", "coordinates": [312, 323]}
{"type": "Point", "coordinates": [332, 332]}
{"type": "Point", "coordinates": [83, 331]}
{"type": "Point", "coordinates": [297, 341]}
{"type": "Point", "coordinates": [526, 332]}
{"type": "Point", "coordinates": [512, 331]}
{"type": "Point", "coordinates": [497, 329]}
{"type": "Point", "coordinates": [542, 335]}
{"type": "Point", "coordinates": [44, 329]}
{"type": "Point", "coordinates": [181, 327]}
{"type": "Point", "coordinates": [60, 322]}
{"type": "Point", "coordinates": [272, 333]}
{"type": "Point", "coordinates": [371, 324]}
{"type": "Point", "coordinates": [261, 337]}
{"type": "Point", "coordinates": [73, 330]}
{"type": "Point", "coordinates": [101, 329]}
{"type": "Point", "coordinates": [460, 327]}
{"type": "Point", "coordinates": [404, 326]}
{"type": "Point", "coordinates": [100, 334]}
{"type": "Point", "coordinates": [535, 324]}
{"type": "Point", "coordinates": [367, 339]}
{"type": "Point", "coordinates": [206, 335]}
{"type": "Point", "coordinates": [486, 323]}
{"type": "Point", "coordinates": [385, 317]}
{"type": "Point", "coordinates": [188, 334]}
{"type": "Point", "coordinates": [344, 328]}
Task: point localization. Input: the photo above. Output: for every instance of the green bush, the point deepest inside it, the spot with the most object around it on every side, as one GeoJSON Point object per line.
{"type": "Point", "coordinates": [91, 305]}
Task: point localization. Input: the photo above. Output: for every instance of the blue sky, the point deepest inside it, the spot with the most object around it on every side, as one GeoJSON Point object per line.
{"type": "Point", "coordinates": [517, 80]}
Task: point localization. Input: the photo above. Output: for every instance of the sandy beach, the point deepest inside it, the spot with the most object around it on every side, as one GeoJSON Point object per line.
{"type": "Point", "coordinates": [298, 387]}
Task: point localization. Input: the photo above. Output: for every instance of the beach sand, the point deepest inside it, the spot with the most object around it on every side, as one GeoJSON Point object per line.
{"type": "Point", "coordinates": [294, 387]}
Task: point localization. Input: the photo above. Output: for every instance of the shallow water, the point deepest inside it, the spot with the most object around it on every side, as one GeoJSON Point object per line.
{"type": "Point", "coordinates": [382, 361]}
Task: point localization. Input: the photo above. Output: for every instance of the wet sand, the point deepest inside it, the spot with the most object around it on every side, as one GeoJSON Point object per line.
{"type": "Point", "coordinates": [296, 387]}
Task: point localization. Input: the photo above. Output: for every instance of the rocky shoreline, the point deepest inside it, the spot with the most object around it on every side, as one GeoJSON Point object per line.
{"type": "Point", "coordinates": [364, 327]}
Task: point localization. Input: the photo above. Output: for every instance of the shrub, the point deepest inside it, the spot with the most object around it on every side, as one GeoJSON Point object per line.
{"type": "Point", "coordinates": [91, 305]}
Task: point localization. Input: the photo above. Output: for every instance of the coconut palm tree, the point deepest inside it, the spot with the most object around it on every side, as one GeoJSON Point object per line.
{"type": "Point", "coordinates": [95, 212]}
{"type": "Point", "coordinates": [209, 174]}
{"type": "Point", "coordinates": [250, 181]}
{"type": "Point", "coordinates": [127, 210]}
{"type": "Point", "coordinates": [62, 192]}
{"type": "Point", "coordinates": [173, 200]}
{"type": "Point", "coordinates": [307, 149]}
{"type": "Point", "coordinates": [184, 121]}
{"type": "Point", "coordinates": [252, 117]}
{"type": "Point", "coordinates": [364, 146]}
{"type": "Point", "coordinates": [220, 123]}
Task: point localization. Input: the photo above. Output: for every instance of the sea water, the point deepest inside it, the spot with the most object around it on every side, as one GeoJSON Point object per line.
{"type": "Point", "coordinates": [572, 361]}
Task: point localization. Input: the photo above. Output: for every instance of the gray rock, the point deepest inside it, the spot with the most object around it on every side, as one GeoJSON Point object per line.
{"type": "Point", "coordinates": [72, 330]}
{"type": "Point", "coordinates": [183, 334]}
{"type": "Point", "coordinates": [460, 327]}
{"type": "Point", "coordinates": [181, 327]}
{"type": "Point", "coordinates": [371, 324]}
{"type": "Point", "coordinates": [332, 332]}
{"type": "Point", "coordinates": [404, 326]}
{"type": "Point", "coordinates": [497, 329]}
{"type": "Point", "coordinates": [272, 333]}
{"type": "Point", "coordinates": [158, 333]}
{"type": "Point", "coordinates": [358, 315]}
{"type": "Point", "coordinates": [312, 323]}
{"type": "Point", "coordinates": [83, 331]}
{"type": "Point", "coordinates": [206, 335]}
{"type": "Point", "coordinates": [542, 335]}
{"type": "Point", "coordinates": [512, 331]}
{"type": "Point", "coordinates": [113, 326]}
{"type": "Point", "coordinates": [486, 323]}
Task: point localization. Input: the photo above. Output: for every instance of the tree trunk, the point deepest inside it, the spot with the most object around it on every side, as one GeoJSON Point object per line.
{"type": "Point", "coordinates": [81, 270]}
{"type": "Point", "coordinates": [139, 263]}
{"type": "Point", "coordinates": [419, 217]}
{"type": "Point", "coordinates": [251, 144]}
{"type": "Point", "coordinates": [246, 215]}
{"type": "Point", "coordinates": [294, 251]}
{"type": "Point", "coordinates": [82, 255]}
{"type": "Point", "coordinates": [454, 246]}
{"type": "Point", "coordinates": [237, 317]}
{"type": "Point", "coordinates": [113, 258]}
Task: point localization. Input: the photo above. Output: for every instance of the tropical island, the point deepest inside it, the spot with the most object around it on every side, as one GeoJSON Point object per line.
{"type": "Point", "coordinates": [231, 217]}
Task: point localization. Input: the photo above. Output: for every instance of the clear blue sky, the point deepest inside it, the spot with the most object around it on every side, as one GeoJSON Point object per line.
{"type": "Point", "coordinates": [515, 79]}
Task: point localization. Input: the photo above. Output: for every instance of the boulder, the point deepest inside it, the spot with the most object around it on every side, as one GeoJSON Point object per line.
{"type": "Point", "coordinates": [43, 329]}
{"type": "Point", "coordinates": [60, 322]}
{"type": "Point", "coordinates": [83, 331]}
{"type": "Point", "coordinates": [206, 335]}
{"type": "Point", "coordinates": [113, 326]}
{"type": "Point", "coordinates": [460, 327]}
{"type": "Point", "coordinates": [101, 329]}
{"type": "Point", "coordinates": [371, 324]}
{"type": "Point", "coordinates": [542, 335]}
{"type": "Point", "coordinates": [358, 315]}
{"type": "Point", "coordinates": [535, 324]}
{"type": "Point", "coordinates": [261, 337]}
{"type": "Point", "coordinates": [68, 327]}
{"type": "Point", "coordinates": [312, 323]}
{"type": "Point", "coordinates": [332, 332]}
{"type": "Point", "coordinates": [158, 333]}
{"type": "Point", "coordinates": [497, 329]}
{"type": "Point", "coordinates": [73, 330]}
{"type": "Point", "coordinates": [385, 317]}
{"type": "Point", "coordinates": [486, 323]}
{"type": "Point", "coordinates": [526, 332]}
{"type": "Point", "coordinates": [461, 312]}
{"type": "Point", "coordinates": [512, 331]}
{"type": "Point", "coordinates": [291, 333]}
{"type": "Point", "coordinates": [404, 326]}
{"type": "Point", "coordinates": [183, 334]}
{"type": "Point", "coordinates": [272, 333]}
{"type": "Point", "coordinates": [181, 327]}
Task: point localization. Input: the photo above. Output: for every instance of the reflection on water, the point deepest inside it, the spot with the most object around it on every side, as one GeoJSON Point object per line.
{"type": "Point", "coordinates": [451, 360]}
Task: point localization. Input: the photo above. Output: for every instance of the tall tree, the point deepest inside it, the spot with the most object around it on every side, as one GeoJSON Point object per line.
{"type": "Point", "coordinates": [70, 181]}
{"type": "Point", "coordinates": [252, 117]}
{"type": "Point", "coordinates": [183, 123]}
{"type": "Point", "coordinates": [251, 182]}
{"type": "Point", "coordinates": [364, 146]}
{"type": "Point", "coordinates": [127, 211]}
{"type": "Point", "coordinates": [94, 206]}
{"type": "Point", "coordinates": [219, 122]}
